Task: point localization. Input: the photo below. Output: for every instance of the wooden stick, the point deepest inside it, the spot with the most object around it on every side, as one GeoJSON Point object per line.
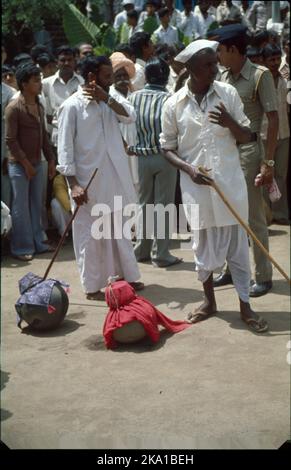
{"type": "Point", "coordinates": [66, 231]}
{"type": "Point", "coordinates": [245, 226]}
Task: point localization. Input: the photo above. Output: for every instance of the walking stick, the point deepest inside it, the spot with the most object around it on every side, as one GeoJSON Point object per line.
{"type": "Point", "coordinates": [245, 226]}
{"type": "Point", "coordinates": [66, 231]}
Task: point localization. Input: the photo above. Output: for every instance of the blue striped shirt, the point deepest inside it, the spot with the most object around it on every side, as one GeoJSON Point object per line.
{"type": "Point", "coordinates": [148, 105]}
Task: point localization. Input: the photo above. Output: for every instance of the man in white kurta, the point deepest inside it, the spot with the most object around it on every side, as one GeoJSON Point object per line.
{"type": "Point", "coordinates": [89, 137]}
{"type": "Point", "coordinates": [195, 134]}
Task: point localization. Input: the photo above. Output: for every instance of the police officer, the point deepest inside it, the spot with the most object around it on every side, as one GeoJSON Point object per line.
{"type": "Point", "coordinates": [256, 89]}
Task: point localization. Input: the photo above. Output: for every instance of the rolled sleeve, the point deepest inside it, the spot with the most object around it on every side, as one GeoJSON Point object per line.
{"type": "Point", "coordinates": [267, 92]}
{"type": "Point", "coordinates": [66, 133]}
{"type": "Point", "coordinates": [169, 134]}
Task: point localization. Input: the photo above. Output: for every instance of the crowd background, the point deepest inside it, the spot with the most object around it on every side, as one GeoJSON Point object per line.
{"type": "Point", "coordinates": [138, 31]}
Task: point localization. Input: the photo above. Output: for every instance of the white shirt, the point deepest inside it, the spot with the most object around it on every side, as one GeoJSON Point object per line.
{"type": "Point", "coordinates": [88, 138]}
{"type": "Point", "coordinates": [189, 25]}
{"type": "Point", "coordinates": [120, 19]}
{"type": "Point", "coordinates": [176, 18]}
{"type": "Point", "coordinates": [187, 129]}
{"type": "Point", "coordinates": [56, 91]}
{"type": "Point", "coordinates": [165, 36]}
{"type": "Point", "coordinates": [138, 82]}
{"type": "Point", "coordinates": [203, 23]}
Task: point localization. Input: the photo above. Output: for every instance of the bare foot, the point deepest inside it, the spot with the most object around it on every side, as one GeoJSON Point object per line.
{"type": "Point", "coordinates": [202, 312]}
{"type": "Point", "coordinates": [99, 295]}
{"type": "Point", "coordinates": [252, 319]}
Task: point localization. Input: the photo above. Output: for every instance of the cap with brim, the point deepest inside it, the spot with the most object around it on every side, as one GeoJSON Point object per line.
{"type": "Point", "coordinates": [227, 32]}
{"type": "Point", "coordinates": [193, 48]}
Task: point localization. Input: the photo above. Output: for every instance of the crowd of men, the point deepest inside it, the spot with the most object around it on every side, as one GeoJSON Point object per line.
{"type": "Point", "coordinates": [148, 117]}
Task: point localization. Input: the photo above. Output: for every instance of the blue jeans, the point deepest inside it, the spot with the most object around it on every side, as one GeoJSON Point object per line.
{"type": "Point", "coordinates": [27, 231]}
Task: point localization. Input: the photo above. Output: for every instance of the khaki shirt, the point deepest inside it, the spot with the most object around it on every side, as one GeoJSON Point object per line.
{"type": "Point", "coordinates": [256, 88]}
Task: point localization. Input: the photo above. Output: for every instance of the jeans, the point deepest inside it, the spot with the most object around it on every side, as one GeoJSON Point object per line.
{"type": "Point", "coordinates": [27, 231]}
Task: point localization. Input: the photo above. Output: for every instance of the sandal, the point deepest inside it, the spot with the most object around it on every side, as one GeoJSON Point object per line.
{"type": "Point", "coordinates": [99, 295]}
{"type": "Point", "coordinates": [165, 264]}
{"type": "Point", "coordinates": [137, 285]}
{"type": "Point", "coordinates": [198, 316]}
{"type": "Point", "coordinates": [258, 326]}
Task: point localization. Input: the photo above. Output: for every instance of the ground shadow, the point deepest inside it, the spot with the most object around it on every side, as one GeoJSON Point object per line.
{"type": "Point", "coordinates": [273, 233]}
{"type": "Point", "coordinates": [67, 327]}
{"type": "Point", "coordinates": [5, 414]}
{"type": "Point", "coordinates": [66, 254]}
{"type": "Point", "coordinates": [96, 343]}
{"type": "Point", "coordinates": [180, 297]}
{"type": "Point", "coordinates": [279, 322]}
{"type": "Point", "coordinates": [280, 287]}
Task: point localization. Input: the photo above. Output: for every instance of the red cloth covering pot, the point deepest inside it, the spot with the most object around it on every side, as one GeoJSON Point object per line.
{"type": "Point", "coordinates": [125, 306]}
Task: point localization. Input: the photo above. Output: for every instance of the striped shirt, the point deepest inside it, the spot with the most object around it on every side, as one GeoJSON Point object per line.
{"type": "Point", "coordinates": [148, 104]}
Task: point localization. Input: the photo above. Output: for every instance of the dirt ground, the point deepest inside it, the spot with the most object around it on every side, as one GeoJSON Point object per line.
{"type": "Point", "coordinates": [214, 385]}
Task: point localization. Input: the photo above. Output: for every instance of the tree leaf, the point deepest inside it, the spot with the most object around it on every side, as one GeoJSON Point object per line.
{"type": "Point", "coordinates": [78, 28]}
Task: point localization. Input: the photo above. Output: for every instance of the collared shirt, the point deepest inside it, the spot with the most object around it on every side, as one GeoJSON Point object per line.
{"type": "Point", "coordinates": [88, 138]}
{"type": "Point", "coordinates": [284, 131]}
{"type": "Point", "coordinates": [186, 128]}
{"type": "Point", "coordinates": [56, 91]}
{"type": "Point", "coordinates": [189, 25]}
{"type": "Point", "coordinates": [120, 19]}
{"type": "Point", "coordinates": [176, 18]}
{"type": "Point", "coordinates": [138, 81]}
{"type": "Point", "coordinates": [167, 36]}
{"type": "Point", "coordinates": [203, 23]}
{"type": "Point", "coordinates": [256, 88]}
{"type": "Point", "coordinates": [148, 104]}
{"type": "Point", "coordinates": [26, 135]}
{"type": "Point", "coordinates": [258, 15]}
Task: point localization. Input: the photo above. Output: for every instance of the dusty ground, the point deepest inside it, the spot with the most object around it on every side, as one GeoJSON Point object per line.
{"type": "Point", "coordinates": [215, 385]}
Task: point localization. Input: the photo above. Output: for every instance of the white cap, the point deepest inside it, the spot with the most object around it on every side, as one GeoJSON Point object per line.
{"type": "Point", "coordinates": [127, 2]}
{"type": "Point", "coordinates": [195, 47]}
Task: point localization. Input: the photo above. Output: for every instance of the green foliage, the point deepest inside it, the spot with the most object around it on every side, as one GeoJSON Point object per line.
{"type": "Point", "coordinates": [78, 28]}
{"type": "Point", "coordinates": [20, 14]}
{"type": "Point", "coordinates": [150, 25]}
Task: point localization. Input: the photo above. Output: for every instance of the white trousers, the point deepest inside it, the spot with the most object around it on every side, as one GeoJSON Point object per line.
{"type": "Point", "coordinates": [215, 246]}
{"type": "Point", "coordinates": [99, 259]}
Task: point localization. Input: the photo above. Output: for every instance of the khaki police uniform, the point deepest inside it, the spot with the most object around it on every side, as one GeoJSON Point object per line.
{"type": "Point", "coordinates": [257, 91]}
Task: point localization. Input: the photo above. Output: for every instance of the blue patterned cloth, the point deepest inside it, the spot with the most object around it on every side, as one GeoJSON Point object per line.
{"type": "Point", "coordinates": [34, 291]}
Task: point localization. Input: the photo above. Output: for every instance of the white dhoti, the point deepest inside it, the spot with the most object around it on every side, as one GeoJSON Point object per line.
{"type": "Point", "coordinates": [99, 259]}
{"type": "Point", "coordinates": [219, 244]}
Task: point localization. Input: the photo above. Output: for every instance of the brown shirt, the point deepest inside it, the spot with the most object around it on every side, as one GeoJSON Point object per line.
{"type": "Point", "coordinates": [26, 135]}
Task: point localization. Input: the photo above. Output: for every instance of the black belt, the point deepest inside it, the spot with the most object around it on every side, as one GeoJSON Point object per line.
{"type": "Point", "coordinates": [254, 137]}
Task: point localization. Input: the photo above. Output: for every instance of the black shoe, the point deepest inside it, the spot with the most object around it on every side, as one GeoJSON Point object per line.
{"type": "Point", "coordinates": [260, 288]}
{"type": "Point", "coordinates": [222, 280]}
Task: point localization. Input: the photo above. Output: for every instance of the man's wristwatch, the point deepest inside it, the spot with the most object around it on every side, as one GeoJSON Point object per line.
{"type": "Point", "coordinates": [269, 163]}
{"type": "Point", "coordinates": [110, 100]}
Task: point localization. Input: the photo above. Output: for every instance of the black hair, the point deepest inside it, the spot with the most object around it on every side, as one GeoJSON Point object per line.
{"type": "Point", "coordinates": [157, 71]}
{"type": "Point", "coordinates": [286, 40]}
{"type": "Point", "coordinates": [7, 70]}
{"type": "Point", "coordinates": [22, 59]}
{"type": "Point", "coordinates": [124, 49]}
{"type": "Point", "coordinates": [24, 73]}
{"type": "Point", "coordinates": [132, 14]}
{"type": "Point", "coordinates": [259, 38]}
{"type": "Point", "coordinates": [163, 12]}
{"type": "Point", "coordinates": [271, 50]}
{"type": "Point", "coordinates": [45, 59]}
{"type": "Point", "coordinates": [253, 51]}
{"type": "Point", "coordinates": [92, 64]}
{"type": "Point", "coordinates": [66, 50]}
{"type": "Point", "coordinates": [138, 41]}
{"type": "Point", "coordinates": [38, 50]}
{"type": "Point", "coordinates": [240, 42]}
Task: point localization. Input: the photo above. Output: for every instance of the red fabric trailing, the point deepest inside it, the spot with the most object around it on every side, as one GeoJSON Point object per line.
{"type": "Point", "coordinates": [125, 306]}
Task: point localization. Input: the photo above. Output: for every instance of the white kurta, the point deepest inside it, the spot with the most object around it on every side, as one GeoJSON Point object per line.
{"type": "Point", "coordinates": [128, 132]}
{"type": "Point", "coordinates": [89, 137]}
{"type": "Point", "coordinates": [187, 129]}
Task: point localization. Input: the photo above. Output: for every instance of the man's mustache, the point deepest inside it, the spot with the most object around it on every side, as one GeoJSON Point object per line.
{"type": "Point", "coordinates": [122, 82]}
